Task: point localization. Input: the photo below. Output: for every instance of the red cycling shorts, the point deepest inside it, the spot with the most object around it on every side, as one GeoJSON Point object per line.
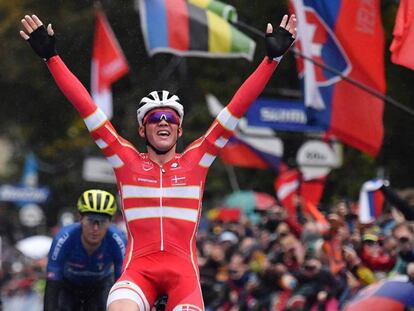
{"type": "Point", "coordinates": [148, 277]}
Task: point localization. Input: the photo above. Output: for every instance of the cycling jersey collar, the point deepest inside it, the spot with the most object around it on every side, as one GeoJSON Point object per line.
{"type": "Point", "coordinates": [157, 151]}
{"type": "Point", "coordinates": [171, 163]}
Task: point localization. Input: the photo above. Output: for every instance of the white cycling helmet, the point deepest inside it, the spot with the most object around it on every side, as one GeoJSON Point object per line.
{"type": "Point", "coordinates": [159, 99]}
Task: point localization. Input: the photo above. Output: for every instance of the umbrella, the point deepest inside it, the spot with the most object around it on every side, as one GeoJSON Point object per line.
{"type": "Point", "coordinates": [391, 294]}
{"type": "Point", "coordinates": [249, 201]}
{"type": "Point", "coordinates": [35, 247]}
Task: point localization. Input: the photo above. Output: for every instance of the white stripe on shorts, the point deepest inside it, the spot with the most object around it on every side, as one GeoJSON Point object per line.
{"type": "Point", "coordinates": [128, 290]}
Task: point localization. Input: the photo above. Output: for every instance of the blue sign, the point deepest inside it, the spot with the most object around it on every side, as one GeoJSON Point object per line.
{"type": "Point", "coordinates": [24, 194]}
{"type": "Point", "coordinates": [280, 114]}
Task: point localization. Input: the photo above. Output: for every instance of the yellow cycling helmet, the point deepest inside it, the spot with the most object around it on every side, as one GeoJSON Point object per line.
{"type": "Point", "coordinates": [97, 201]}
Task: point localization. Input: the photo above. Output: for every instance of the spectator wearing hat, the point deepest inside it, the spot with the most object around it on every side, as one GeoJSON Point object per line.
{"type": "Point", "coordinates": [229, 242]}
{"type": "Point", "coordinates": [373, 254]}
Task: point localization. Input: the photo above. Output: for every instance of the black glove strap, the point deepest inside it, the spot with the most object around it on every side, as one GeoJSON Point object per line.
{"type": "Point", "coordinates": [43, 44]}
{"type": "Point", "coordinates": [278, 42]}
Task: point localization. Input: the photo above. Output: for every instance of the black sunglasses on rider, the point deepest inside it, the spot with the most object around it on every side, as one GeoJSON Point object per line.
{"type": "Point", "coordinates": [100, 220]}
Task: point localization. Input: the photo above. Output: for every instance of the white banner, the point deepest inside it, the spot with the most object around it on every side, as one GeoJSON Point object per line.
{"type": "Point", "coordinates": [98, 170]}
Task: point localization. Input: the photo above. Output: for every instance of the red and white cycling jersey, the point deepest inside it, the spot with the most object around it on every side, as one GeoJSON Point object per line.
{"type": "Point", "coordinates": [161, 204]}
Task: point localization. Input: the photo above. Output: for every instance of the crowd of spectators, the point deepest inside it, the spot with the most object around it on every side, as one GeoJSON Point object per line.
{"type": "Point", "coordinates": [275, 262]}
{"type": "Point", "coordinates": [279, 263]}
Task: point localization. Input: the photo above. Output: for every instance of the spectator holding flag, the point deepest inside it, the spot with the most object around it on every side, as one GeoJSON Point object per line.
{"type": "Point", "coordinates": [406, 207]}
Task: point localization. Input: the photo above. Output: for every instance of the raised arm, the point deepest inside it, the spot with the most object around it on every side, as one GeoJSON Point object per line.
{"type": "Point", "coordinates": [42, 40]}
{"type": "Point", "coordinates": [277, 44]}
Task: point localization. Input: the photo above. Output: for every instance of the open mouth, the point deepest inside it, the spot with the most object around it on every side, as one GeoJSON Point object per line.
{"type": "Point", "coordinates": [163, 133]}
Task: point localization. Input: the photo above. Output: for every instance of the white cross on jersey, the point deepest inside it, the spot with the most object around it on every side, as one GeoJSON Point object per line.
{"type": "Point", "coordinates": [176, 180]}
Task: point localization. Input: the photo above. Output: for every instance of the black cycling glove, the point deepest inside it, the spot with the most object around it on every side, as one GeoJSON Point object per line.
{"type": "Point", "coordinates": [42, 43]}
{"type": "Point", "coordinates": [278, 42]}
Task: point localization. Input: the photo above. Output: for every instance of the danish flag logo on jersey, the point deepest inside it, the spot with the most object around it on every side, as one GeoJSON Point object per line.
{"type": "Point", "coordinates": [317, 41]}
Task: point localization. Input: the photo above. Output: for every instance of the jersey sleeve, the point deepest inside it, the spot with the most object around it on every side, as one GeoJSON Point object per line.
{"type": "Point", "coordinates": [56, 256]}
{"type": "Point", "coordinates": [101, 129]}
{"type": "Point", "coordinates": [225, 123]}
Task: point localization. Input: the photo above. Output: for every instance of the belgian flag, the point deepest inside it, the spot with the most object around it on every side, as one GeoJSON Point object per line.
{"type": "Point", "coordinates": [189, 28]}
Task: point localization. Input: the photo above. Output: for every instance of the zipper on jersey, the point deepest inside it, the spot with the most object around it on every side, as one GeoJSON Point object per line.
{"type": "Point", "coordinates": [162, 171]}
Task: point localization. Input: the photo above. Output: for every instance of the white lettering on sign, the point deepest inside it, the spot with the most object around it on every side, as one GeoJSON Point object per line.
{"type": "Point", "coordinates": [16, 194]}
{"type": "Point", "coordinates": [315, 155]}
{"type": "Point", "coordinates": [283, 115]}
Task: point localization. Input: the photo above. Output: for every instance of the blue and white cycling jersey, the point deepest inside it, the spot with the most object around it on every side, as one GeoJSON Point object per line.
{"type": "Point", "coordinates": [68, 259]}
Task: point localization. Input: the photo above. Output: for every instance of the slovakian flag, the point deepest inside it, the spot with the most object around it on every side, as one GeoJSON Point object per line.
{"type": "Point", "coordinates": [292, 188]}
{"type": "Point", "coordinates": [240, 153]}
{"type": "Point", "coordinates": [108, 63]}
{"type": "Point", "coordinates": [346, 35]}
{"type": "Point", "coordinates": [403, 43]}
{"type": "Point", "coordinates": [182, 28]}
{"type": "Point", "coordinates": [371, 201]}
{"type": "Point", "coordinates": [254, 147]}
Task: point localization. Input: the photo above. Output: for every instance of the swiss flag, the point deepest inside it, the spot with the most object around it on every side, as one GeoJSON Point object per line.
{"type": "Point", "coordinates": [403, 43]}
{"type": "Point", "coordinates": [108, 63]}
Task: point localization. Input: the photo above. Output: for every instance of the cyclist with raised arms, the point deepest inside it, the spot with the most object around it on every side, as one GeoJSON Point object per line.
{"type": "Point", "coordinates": [161, 190]}
{"type": "Point", "coordinates": [85, 258]}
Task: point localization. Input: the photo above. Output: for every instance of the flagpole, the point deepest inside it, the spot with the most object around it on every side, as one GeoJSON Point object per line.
{"type": "Point", "coordinates": [232, 177]}
{"type": "Point", "coordinates": [174, 62]}
{"type": "Point", "coordinates": [356, 83]}
{"type": "Point", "coordinates": [331, 69]}
{"type": "Point", "coordinates": [1, 253]}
